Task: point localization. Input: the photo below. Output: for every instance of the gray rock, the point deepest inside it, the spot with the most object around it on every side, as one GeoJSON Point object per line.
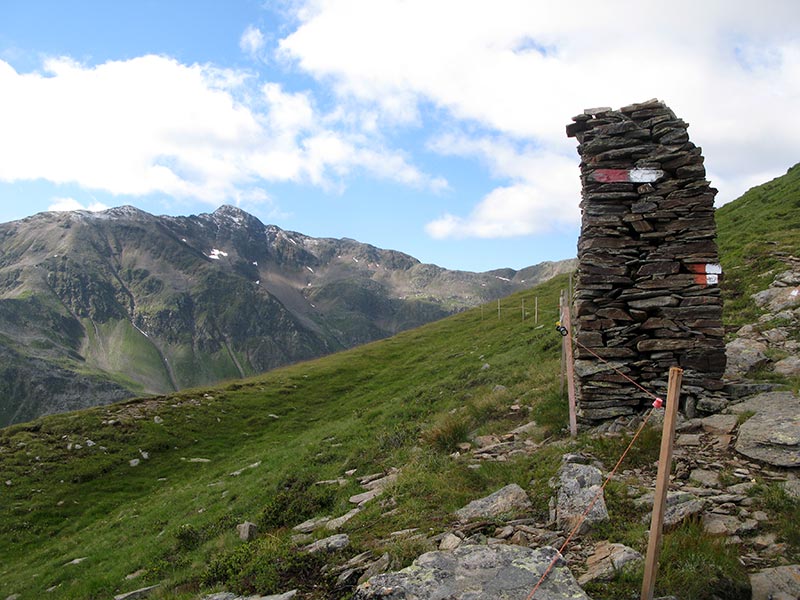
{"type": "Point", "coordinates": [607, 560]}
{"type": "Point", "coordinates": [329, 544]}
{"type": "Point", "coordinates": [577, 486]}
{"type": "Point", "coordinates": [792, 487]}
{"type": "Point", "coordinates": [776, 299]}
{"type": "Point", "coordinates": [449, 542]}
{"type": "Point", "coordinates": [788, 367]}
{"type": "Point", "coordinates": [510, 500]}
{"type": "Point", "coordinates": [680, 506]}
{"type": "Point", "coordinates": [136, 594]}
{"type": "Point", "coordinates": [311, 524]}
{"type": "Point", "coordinates": [778, 583]}
{"type": "Point", "coordinates": [471, 572]}
{"type": "Point", "coordinates": [247, 531]}
{"type": "Point", "coordinates": [772, 435]}
{"type": "Point", "coordinates": [365, 497]}
{"type": "Point", "coordinates": [335, 524]}
{"type": "Point", "coordinates": [705, 477]}
{"type": "Point", "coordinates": [719, 424]}
{"type": "Point", "coordinates": [744, 355]}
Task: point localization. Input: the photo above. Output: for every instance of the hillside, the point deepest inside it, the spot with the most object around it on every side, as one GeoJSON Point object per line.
{"type": "Point", "coordinates": [73, 493]}
{"type": "Point", "coordinates": [149, 492]}
{"type": "Point", "coordinates": [97, 307]}
{"type": "Point", "coordinates": [756, 233]}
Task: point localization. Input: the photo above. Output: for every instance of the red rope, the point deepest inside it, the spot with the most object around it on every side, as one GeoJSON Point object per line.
{"type": "Point", "coordinates": [657, 404]}
{"type": "Point", "coordinates": [589, 508]}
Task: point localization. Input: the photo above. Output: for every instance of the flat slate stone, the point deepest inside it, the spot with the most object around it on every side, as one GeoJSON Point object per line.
{"type": "Point", "coordinates": [772, 435]}
{"type": "Point", "coordinates": [470, 572]}
{"type": "Point", "coordinates": [509, 500]}
{"type": "Point", "coordinates": [779, 583]}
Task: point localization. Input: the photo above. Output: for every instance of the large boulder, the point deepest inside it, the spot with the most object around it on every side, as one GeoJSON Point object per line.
{"type": "Point", "coordinates": [508, 501]}
{"type": "Point", "coordinates": [578, 484]}
{"type": "Point", "coordinates": [778, 583]}
{"type": "Point", "coordinates": [744, 355]}
{"type": "Point", "coordinates": [772, 434]}
{"type": "Point", "coordinates": [471, 572]}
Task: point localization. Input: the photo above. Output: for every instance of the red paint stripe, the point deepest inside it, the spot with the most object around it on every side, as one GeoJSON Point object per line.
{"type": "Point", "coordinates": [610, 175]}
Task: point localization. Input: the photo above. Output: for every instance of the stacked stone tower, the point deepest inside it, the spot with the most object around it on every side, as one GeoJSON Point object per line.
{"type": "Point", "coordinates": [647, 295]}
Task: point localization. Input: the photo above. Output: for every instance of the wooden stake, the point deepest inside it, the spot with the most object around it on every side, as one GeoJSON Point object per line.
{"type": "Point", "coordinates": [536, 311]}
{"type": "Point", "coordinates": [498, 308]}
{"type": "Point", "coordinates": [662, 484]}
{"type": "Point", "coordinates": [566, 321]}
{"type": "Point", "coordinates": [523, 309]}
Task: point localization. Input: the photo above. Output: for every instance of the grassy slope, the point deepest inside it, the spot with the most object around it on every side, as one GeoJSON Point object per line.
{"type": "Point", "coordinates": [754, 233]}
{"type": "Point", "coordinates": [364, 409]}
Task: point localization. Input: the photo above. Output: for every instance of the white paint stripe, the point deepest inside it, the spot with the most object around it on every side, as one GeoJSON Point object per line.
{"type": "Point", "coordinates": [645, 175]}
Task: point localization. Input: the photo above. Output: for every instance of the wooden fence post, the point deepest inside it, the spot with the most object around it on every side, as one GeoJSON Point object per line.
{"type": "Point", "coordinates": [662, 484]}
{"type": "Point", "coordinates": [566, 321]}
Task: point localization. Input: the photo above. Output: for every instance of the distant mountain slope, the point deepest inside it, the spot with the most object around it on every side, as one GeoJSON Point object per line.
{"type": "Point", "coordinates": [95, 307]}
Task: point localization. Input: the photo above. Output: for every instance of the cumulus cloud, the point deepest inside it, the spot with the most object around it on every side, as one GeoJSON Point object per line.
{"type": "Point", "coordinates": [70, 204]}
{"type": "Point", "coordinates": [520, 69]}
{"type": "Point", "coordinates": [154, 125]}
{"type": "Point", "coordinates": [252, 41]}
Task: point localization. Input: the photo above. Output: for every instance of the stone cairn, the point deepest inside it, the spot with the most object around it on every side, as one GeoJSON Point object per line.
{"type": "Point", "coordinates": [647, 294]}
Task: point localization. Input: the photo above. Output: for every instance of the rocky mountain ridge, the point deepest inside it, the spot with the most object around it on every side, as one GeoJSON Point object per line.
{"type": "Point", "coordinates": [100, 306]}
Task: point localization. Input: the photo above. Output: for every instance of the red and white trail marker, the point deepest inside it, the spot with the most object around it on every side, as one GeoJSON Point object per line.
{"type": "Point", "coordinates": [706, 274]}
{"type": "Point", "coordinates": [626, 175]}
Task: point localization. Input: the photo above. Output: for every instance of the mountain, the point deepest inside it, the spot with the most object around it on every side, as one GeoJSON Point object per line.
{"type": "Point", "coordinates": [97, 307]}
{"type": "Point", "coordinates": [112, 499]}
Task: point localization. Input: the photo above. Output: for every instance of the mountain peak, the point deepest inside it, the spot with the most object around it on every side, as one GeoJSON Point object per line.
{"type": "Point", "coordinates": [237, 215]}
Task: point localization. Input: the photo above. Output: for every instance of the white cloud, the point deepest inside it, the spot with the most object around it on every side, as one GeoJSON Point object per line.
{"type": "Point", "coordinates": [252, 41]}
{"type": "Point", "coordinates": [153, 125]}
{"type": "Point", "coordinates": [540, 199]}
{"type": "Point", "coordinates": [519, 69]}
{"type": "Point", "coordinates": [70, 204]}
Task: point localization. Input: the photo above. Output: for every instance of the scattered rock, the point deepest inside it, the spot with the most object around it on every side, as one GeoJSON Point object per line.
{"type": "Point", "coordinates": [449, 542]}
{"type": "Point", "coordinates": [772, 435]}
{"type": "Point", "coordinates": [365, 497]}
{"type": "Point", "coordinates": [509, 500]}
{"type": "Point", "coordinates": [500, 572]}
{"type": "Point", "coordinates": [778, 583]}
{"type": "Point", "coordinates": [720, 424]}
{"type": "Point", "coordinates": [334, 524]}
{"type": "Point", "coordinates": [136, 594]}
{"type": "Point", "coordinates": [247, 531]}
{"type": "Point", "coordinates": [609, 559]}
{"type": "Point", "coordinates": [329, 544]}
{"type": "Point", "coordinates": [705, 477]}
{"type": "Point", "coordinates": [788, 367]}
{"type": "Point", "coordinates": [311, 524]}
{"type": "Point", "coordinates": [577, 486]}
{"type": "Point", "coordinates": [744, 355]}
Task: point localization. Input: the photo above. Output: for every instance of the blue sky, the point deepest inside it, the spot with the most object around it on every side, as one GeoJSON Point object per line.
{"type": "Point", "coordinates": [434, 127]}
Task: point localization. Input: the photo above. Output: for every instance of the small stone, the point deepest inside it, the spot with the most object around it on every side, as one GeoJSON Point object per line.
{"type": "Point", "coordinates": [511, 499]}
{"type": "Point", "coordinates": [333, 543]}
{"type": "Point", "coordinates": [449, 542]}
{"type": "Point", "coordinates": [247, 531]}
{"type": "Point", "coordinates": [778, 583]}
{"type": "Point", "coordinates": [137, 594]}
{"type": "Point", "coordinates": [705, 477]}
{"type": "Point", "coordinates": [607, 560]}
{"type": "Point", "coordinates": [688, 439]}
